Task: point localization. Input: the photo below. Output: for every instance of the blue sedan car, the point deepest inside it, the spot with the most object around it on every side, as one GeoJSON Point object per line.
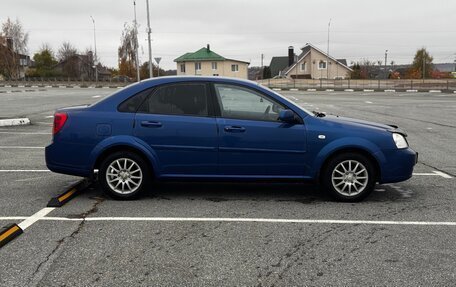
{"type": "Point", "coordinates": [214, 128]}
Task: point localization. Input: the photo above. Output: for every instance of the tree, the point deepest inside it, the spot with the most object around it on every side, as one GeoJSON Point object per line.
{"type": "Point", "coordinates": [127, 51]}
{"type": "Point", "coordinates": [421, 60]}
{"type": "Point", "coordinates": [16, 44]}
{"type": "Point", "coordinates": [44, 61]}
{"type": "Point", "coordinates": [364, 69]}
{"type": "Point", "coordinates": [266, 72]}
{"type": "Point", "coordinates": [67, 56]}
{"type": "Point", "coordinates": [144, 71]}
{"type": "Point", "coordinates": [66, 51]}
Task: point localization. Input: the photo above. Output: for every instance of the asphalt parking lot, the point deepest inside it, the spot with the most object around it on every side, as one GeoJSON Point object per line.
{"type": "Point", "coordinates": [232, 234]}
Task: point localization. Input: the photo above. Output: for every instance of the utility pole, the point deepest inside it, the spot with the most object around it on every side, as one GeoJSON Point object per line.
{"type": "Point", "coordinates": [95, 60]}
{"type": "Point", "coordinates": [386, 61]}
{"type": "Point", "coordinates": [149, 31]}
{"type": "Point", "coordinates": [136, 44]}
{"type": "Point", "coordinates": [327, 53]}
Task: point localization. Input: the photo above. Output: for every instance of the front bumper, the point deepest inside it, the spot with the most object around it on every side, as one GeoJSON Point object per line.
{"type": "Point", "coordinates": [397, 165]}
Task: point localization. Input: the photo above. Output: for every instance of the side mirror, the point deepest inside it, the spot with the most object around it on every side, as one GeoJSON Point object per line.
{"type": "Point", "coordinates": [287, 116]}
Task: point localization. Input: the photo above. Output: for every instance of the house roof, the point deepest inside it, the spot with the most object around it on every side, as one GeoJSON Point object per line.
{"type": "Point", "coordinates": [203, 54]}
{"type": "Point", "coordinates": [307, 48]}
{"type": "Point", "coordinates": [278, 64]}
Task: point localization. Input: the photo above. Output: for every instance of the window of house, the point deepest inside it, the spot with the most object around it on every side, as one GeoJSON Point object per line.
{"type": "Point", "coordinates": [197, 66]}
{"type": "Point", "coordinates": [182, 68]}
{"type": "Point", "coordinates": [322, 65]}
{"type": "Point", "coordinates": [235, 68]}
{"type": "Point", "coordinates": [303, 66]}
{"type": "Point", "coordinates": [241, 103]}
{"type": "Point", "coordinates": [178, 99]}
{"type": "Point", "coordinates": [214, 65]}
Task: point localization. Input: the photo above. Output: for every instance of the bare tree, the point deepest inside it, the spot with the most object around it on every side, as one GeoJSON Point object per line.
{"type": "Point", "coordinates": [66, 51]}
{"type": "Point", "coordinates": [16, 44]}
{"type": "Point", "coordinates": [127, 51]}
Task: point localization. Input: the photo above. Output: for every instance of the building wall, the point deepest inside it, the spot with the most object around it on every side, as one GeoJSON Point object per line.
{"type": "Point", "coordinates": [313, 59]}
{"type": "Point", "coordinates": [223, 69]}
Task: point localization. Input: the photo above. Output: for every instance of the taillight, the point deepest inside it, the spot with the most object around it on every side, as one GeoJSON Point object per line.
{"type": "Point", "coordinates": [59, 122]}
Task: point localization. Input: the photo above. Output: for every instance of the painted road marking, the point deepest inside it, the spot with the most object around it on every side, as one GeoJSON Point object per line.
{"type": "Point", "coordinates": [442, 174]}
{"type": "Point", "coordinates": [368, 102]}
{"type": "Point", "coordinates": [435, 173]}
{"type": "Point", "coordinates": [41, 216]}
{"type": "Point", "coordinates": [21, 147]}
{"type": "Point", "coordinates": [25, 170]}
{"type": "Point", "coordinates": [35, 217]}
{"type": "Point", "coordinates": [25, 133]}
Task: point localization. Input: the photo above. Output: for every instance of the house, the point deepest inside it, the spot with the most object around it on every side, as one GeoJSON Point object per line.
{"type": "Point", "coordinates": [312, 63]}
{"type": "Point", "coordinates": [205, 62]}
{"type": "Point", "coordinates": [81, 67]}
{"type": "Point", "coordinates": [12, 64]}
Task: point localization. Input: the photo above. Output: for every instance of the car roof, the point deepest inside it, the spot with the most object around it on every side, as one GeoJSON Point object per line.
{"type": "Point", "coordinates": [171, 79]}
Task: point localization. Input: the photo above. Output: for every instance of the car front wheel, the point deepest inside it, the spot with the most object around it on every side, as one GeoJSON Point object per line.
{"type": "Point", "coordinates": [123, 175]}
{"type": "Point", "coordinates": [349, 177]}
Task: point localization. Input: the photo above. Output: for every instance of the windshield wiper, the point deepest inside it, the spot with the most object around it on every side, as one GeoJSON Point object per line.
{"type": "Point", "coordinates": [319, 114]}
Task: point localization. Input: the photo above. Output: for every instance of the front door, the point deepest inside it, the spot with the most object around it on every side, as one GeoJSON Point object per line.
{"type": "Point", "coordinates": [252, 141]}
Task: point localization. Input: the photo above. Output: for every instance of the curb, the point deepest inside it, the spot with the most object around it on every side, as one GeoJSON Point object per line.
{"type": "Point", "coordinates": [14, 122]}
{"type": "Point", "coordinates": [9, 232]}
{"type": "Point", "coordinates": [70, 193]}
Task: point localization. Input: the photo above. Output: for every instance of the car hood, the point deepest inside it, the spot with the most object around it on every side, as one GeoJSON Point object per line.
{"type": "Point", "coordinates": [368, 124]}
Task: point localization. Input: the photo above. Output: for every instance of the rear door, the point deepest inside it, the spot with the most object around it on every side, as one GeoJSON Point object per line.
{"type": "Point", "coordinates": [177, 121]}
{"type": "Point", "coordinates": [252, 141]}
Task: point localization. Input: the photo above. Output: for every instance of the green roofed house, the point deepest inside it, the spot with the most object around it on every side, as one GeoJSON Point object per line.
{"type": "Point", "coordinates": [205, 62]}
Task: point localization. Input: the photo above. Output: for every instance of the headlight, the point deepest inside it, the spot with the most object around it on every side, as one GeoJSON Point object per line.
{"type": "Point", "coordinates": [399, 140]}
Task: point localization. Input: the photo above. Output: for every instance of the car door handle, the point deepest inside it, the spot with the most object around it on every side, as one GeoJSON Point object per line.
{"type": "Point", "coordinates": [234, 129]}
{"type": "Point", "coordinates": [151, 124]}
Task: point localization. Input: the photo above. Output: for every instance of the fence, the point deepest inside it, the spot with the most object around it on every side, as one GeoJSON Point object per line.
{"type": "Point", "coordinates": [434, 84]}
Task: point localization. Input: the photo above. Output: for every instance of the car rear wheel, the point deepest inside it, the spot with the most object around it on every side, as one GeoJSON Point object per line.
{"type": "Point", "coordinates": [123, 175]}
{"type": "Point", "coordinates": [349, 177]}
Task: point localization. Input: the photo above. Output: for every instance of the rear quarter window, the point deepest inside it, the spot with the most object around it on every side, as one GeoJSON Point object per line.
{"type": "Point", "coordinates": [132, 104]}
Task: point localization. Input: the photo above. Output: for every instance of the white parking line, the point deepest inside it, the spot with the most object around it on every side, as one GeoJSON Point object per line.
{"type": "Point", "coordinates": [40, 215]}
{"type": "Point", "coordinates": [434, 173]}
{"type": "Point", "coordinates": [25, 170]}
{"type": "Point", "coordinates": [442, 174]}
{"type": "Point", "coordinates": [25, 133]}
{"type": "Point", "coordinates": [35, 217]}
{"type": "Point", "coordinates": [21, 147]}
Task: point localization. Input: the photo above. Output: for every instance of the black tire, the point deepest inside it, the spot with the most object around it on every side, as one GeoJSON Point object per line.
{"type": "Point", "coordinates": [131, 157]}
{"type": "Point", "coordinates": [334, 186]}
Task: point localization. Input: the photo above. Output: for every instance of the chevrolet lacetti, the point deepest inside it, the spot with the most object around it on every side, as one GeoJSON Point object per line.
{"type": "Point", "coordinates": [213, 128]}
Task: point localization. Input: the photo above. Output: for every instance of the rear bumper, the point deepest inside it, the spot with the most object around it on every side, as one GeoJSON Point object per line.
{"type": "Point", "coordinates": [52, 156]}
{"type": "Point", "coordinates": [398, 165]}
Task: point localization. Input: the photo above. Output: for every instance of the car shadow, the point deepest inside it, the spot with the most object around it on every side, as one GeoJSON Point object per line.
{"type": "Point", "coordinates": [305, 193]}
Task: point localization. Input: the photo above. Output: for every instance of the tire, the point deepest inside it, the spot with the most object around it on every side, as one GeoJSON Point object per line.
{"type": "Point", "coordinates": [124, 175]}
{"type": "Point", "coordinates": [349, 177]}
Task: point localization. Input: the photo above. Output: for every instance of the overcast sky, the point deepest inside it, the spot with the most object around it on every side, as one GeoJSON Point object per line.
{"type": "Point", "coordinates": [243, 29]}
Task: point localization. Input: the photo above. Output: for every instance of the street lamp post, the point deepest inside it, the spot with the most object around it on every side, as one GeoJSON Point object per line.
{"type": "Point", "coordinates": [95, 60]}
{"type": "Point", "coordinates": [149, 31]}
{"type": "Point", "coordinates": [136, 45]}
{"type": "Point", "coordinates": [327, 54]}
{"type": "Point", "coordinates": [386, 61]}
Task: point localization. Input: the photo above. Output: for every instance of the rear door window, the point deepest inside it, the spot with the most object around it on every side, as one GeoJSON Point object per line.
{"type": "Point", "coordinates": [178, 99]}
